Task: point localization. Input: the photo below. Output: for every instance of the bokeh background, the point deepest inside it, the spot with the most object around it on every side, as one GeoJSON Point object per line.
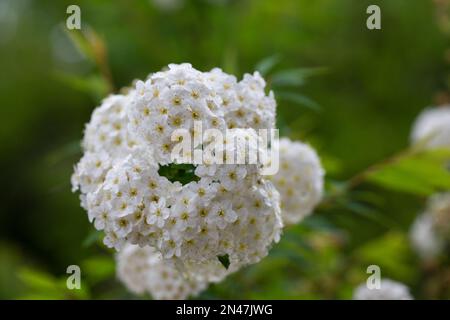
{"type": "Point", "coordinates": [355, 103]}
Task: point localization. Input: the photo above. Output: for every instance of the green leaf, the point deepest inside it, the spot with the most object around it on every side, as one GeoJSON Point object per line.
{"type": "Point", "coordinates": [298, 99]}
{"type": "Point", "coordinates": [224, 260]}
{"type": "Point", "coordinates": [39, 281]}
{"type": "Point", "coordinates": [68, 150]}
{"type": "Point", "coordinates": [230, 60]}
{"type": "Point", "coordinates": [98, 268]}
{"type": "Point", "coordinates": [392, 253]}
{"type": "Point", "coordinates": [42, 296]}
{"type": "Point", "coordinates": [294, 77]}
{"type": "Point", "coordinates": [421, 173]}
{"type": "Point", "coordinates": [369, 213]}
{"type": "Point", "coordinates": [183, 173]}
{"type": "Point", "coordinates": [94, 85]}
{"type": "Point", "coordinates": [267, 64]}
{"type": "Point", "coordinates": [92, 238]}
{"type": "Point", "coordinates": [88, 43]}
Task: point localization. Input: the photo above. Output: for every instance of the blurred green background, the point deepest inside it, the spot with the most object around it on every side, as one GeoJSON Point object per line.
{"type": "Point", "coordinates": [363, 104]}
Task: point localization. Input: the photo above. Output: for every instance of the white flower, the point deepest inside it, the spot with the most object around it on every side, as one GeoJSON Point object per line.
{"type": "Point", "coordinates": [431, 230]}
{"type": "Point", "coordinates": [432, 128]}
{"type": "Point", "coordinates": [424, 238]}
{"type": "Point", "coordinates": [221, 214]}
{"type": "Point", "coordinates": [144, 270]}
{"type": "Point", "coordinates": [389, 290]}
{"type": "Point", "coordinates": [157, 213]}
{"type": "Point", "coordinates": [232, 175]}
{"type": "Point", "coordinates": [299, 180]}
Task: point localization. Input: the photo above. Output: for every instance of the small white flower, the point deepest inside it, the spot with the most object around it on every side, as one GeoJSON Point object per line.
{"type": "Point", "coordinates": [432, 128]}
{"type": "Point", "coordinates": [221, 214]}
{"type": "Point", "coordinates": [389, 290]}
{"type": "Point", "coordinates": [424, 238]}
{"type": "Point", "coordinates": [158, 213]}
{"type": "Point", "coordinates": [430, 232]}
{"type": "Point", "coordinates": [232, 175]}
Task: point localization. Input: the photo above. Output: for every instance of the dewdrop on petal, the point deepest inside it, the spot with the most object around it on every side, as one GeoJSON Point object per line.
{"type": "Point", "coordinates": [299, 180]}
{"type": "Point", "coordinates": [432, 128]}
{"type": "Point", "coordinates": [389, 290]}
{"type": "Point", "coordinates": [142, 270]}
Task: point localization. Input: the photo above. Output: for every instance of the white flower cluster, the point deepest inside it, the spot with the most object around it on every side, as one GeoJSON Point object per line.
{"type": "Point", "coordinates": [227, 210]}
{"type": "Point", "coordinates": [432, 128]}
{"type": "Point", "coordinates": [144, 270]}
{"type": "Point", "coordinates": [299, 180]}
{"type": "Point", "coordinates": [389, 290]}
{"type": "Point", "coordinates": [431, 231]}
{"type": "Point", "coordinates": [106, 141]}
{"type": "Point", "coordinates": [176, 98]}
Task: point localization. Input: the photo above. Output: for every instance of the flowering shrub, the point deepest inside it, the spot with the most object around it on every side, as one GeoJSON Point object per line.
{"type": "Point", "coordinates": [192, 216]}
{"type": "Point", "coordinates": [226, 210]}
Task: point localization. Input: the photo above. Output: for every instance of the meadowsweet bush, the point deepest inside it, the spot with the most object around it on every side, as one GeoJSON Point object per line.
{"type": "Point", "coordinates": [199, 220]}
{"type": "Point", "coordinates": [389, 290]}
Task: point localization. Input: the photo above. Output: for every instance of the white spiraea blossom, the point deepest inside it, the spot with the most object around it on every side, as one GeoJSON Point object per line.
{"type": "Point", "coordinates": [227, 210]}
{"type": "Point", "coordinates": [299, 180]}
{"type": "Point", "coordinates": [106, 141]}
{"type": "Point", "coordinates": [432, 128]}
{"type": "Point", "coordinates": [424, 238]}
{"type": "Point", "coordinates": [176, 98]}
{"type": "Point", "coordinates": [196, 222]}
{"type": "Point", "coordinates": [431, 231]}
{"type": "Point", "coordinates": [389, 290]}
{"type": "Point", "coordinates": [143, 270]}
